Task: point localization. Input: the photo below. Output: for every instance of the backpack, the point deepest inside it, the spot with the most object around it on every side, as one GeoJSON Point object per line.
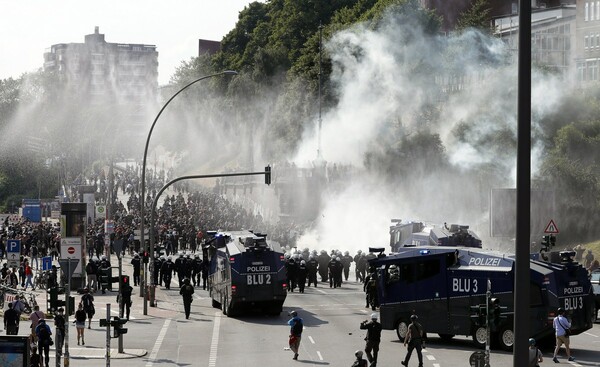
{"type": "Point", "coordinates": [297, 327]}
{"type": "Point", "coordinates": [44, 335]}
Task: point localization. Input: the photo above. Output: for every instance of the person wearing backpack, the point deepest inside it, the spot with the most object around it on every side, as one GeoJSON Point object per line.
{"type": "Point", "coordinates": [44, 333]}
{"type": "Point", "coordinates": [414, 339]}
{"type": "Point", "coordinates": [91, 270]}
{"type": "Point", "coordinates": [297, 326]}
{"type": "Point", "coordinates": [535, 356]}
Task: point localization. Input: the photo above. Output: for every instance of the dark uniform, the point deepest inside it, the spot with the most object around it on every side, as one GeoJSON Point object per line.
{"type": "Point", "coordinates": [187, 290]}
{"type": "Point", "coordinates": [196, 270]}
{"type": "Point", "coordinates": [323, 260]}
{"type": "Point", "coordinates": [373, 338]}
{"type": "Point", "coordinates": [312, 266]}
{"type": "Point", "coordinates": [290, 267]}
{"type": "Point", "coordinates": [166, 270]}
{"type": "Point", "coordinates": [126, 297]}
{"type": "Point", "coordinates": [11, 320]}
{"type": "Point", "coordinates": [346, 262]}
{"type": "Point", "coordinates": [301, 273]}
{"type": "Point", "coordinates": [136, 269]}
{"type": "Point", "coordinates": [180, 268]}
{"type": "Point", "coordinates": [157, 265]}
{"type": "Point", "coordinates": [335, 273]}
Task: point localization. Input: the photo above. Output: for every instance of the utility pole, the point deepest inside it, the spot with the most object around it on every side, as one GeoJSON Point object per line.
{"type": "Point", "coordinates": [107, 335]}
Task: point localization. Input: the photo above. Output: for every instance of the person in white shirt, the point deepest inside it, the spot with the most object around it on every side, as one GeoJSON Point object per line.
{"type": "Point", "coordinates": [561, 326]}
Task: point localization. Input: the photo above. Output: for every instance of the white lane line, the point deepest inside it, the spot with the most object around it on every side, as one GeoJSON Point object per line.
{"type": "Point", "coordinates": [320, 356]}
{"type": "Point", "coordinates": [311, 339]}
{"type": "Point", "coordinates": [214, 344]}
{"type": "Point", "coordinates": [436, 365]}
{"type": "Point", "coordinates": [320, 291]}
{"type": "Point", "coordinates": [430, 357]}
{"type": "Point", "coordinates": [590, 334]}
{"type": "Point", "coordinates": [158, 343]}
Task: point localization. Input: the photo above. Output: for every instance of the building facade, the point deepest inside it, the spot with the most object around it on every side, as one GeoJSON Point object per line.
{"type": "Point", "coordinates": [110, 74]}
{"type": "Point", "coordinates": [587, 57]}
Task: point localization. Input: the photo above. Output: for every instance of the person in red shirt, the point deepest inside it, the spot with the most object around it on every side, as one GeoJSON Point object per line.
{"type": "Point", "coordinates": [28, 275]}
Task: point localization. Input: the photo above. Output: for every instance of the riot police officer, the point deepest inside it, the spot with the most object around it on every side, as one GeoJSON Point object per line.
{"type": "Point", "coordinates": [323, 260]}
{"type": "Point", "coordinates": [311, 266]}
{"type": "Point", "coordinates": [196, 270]}
{"type": "Point", "coordinates": [136, 263]}
{"type": "Point", "coordinates": [166, 271]}
{"type": "Point", "coordinates": [180, 268]}
{"type": "Point", "coordinates": [301, 275]}
{"type": "Point", "coordinates": [346, 262]}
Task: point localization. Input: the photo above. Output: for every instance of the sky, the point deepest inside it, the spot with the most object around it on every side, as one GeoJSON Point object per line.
{"type": "Point", "coordinates": [29, 27]}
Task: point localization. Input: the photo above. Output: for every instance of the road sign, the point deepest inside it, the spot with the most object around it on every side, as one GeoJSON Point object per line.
{"type": "Point", "coordinates": [13, 253]}
{"type": "Point", "coordinates": [551, 228]}
{"type": "Point", "coordinates": [68, 266]}
{"type": "Point", "coordinates": [46, 263]}
{"type": "Point", "coordinates": [70, 248]}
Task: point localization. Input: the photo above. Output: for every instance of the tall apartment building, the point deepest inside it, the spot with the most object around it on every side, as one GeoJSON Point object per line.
{"type": "Point", "coordinates": [587, 57]}
{"type": "Point", "coordinates": [109, 74]}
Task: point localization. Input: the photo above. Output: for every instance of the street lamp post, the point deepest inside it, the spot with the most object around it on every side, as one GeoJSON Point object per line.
{"type": "Point", "coordinates": [143, 188]}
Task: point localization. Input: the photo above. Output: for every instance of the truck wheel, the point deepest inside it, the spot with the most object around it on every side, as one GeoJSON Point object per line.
{"type": "Point", "coordinates": [402, 330]}
{"type": "Point", "coordinates": [506, 338]}
{"type": "Point", "coordinates": [480, 337]}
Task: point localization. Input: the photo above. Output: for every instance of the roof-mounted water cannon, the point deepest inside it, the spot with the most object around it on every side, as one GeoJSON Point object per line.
{"type": "Point", "coordinates": [566, 256]}
{"type": "Point", "coordinates": [378, 250]}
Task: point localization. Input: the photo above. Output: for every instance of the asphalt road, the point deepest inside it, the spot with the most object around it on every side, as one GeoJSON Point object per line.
{"type": "Point", "coordinates": [331, 335]}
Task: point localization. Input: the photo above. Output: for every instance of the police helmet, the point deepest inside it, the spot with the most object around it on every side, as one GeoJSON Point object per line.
{"type": "Point", "coordinates": [103, 257]}
{"type": "Point", "coordinates": [337, 258]}
{"type": "Point", "coordinates": [374, 316]}
{"type": "Point", "coordinates": [180, 254]}
{"type": "Point", "coordinates": [294, 313]}
{"type": "Point", "coordinates": [311, 257]}
{"type": "Point", "coordinates": [323, 252]}
{"type": "Point", "coordinates": [346, 253]}
{"type": "Point", "coordinates": [358, 354]}
{"type": "Point", "coordinates": [359, 252]}
{"type": "Point", "coordinates": [302, 262]}
{"type": "Point", "coordinates": [531, 341]}
{"type": "Point", "coordinates": [413, 317]}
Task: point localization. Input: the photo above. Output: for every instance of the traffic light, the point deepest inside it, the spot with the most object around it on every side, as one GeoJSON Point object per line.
{"type": "Point", "coordinates": [117, 324]}
{"type": "Point", "coordinates": [545, 243]}
{"type": "Point", "coordinates": [268, 175]}
{"type": "Point", "coordinates": [552, 240]}
{"type": "Point", "coordinates": [124, 280]}
{"type": "Point", "coordinates": [55, 303]}
{"type": "Point", "coordinates": [145, 257]}
{"type": "Point", "coordinates": [496, 317]}
{"type": "Point", "coordinates": [478, 314]}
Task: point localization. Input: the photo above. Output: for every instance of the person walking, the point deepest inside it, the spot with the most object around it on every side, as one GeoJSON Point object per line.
{"type": "Point", "coordinates": [80, 317]}
{"type": "Point", "coordinates": [373, 338]}
{"type": "Point", "coordinates": [187, 290]}
{"type": "Point", "coordinates": [561, 327]}
{"type": "Point", "coordinates": [296, 327]}
{"type": "Point", "coordinates": [535, 356]}
{"type": "Point", "coordinates": [136, 263]}
{"type": "Point", "coordinates": [91, 270]}
{"type": "Point", "coordinates": [126, 292]}
{"type": "Point", "coordinates": [87, 300]}
{"type": "Point", "coordinates": [59, 329]}
{"type": "Point", "coordinates": [43, 333]}
{"type": "Point", "coordinates": [414, 339]}
{"type": "Point", "coordinates": [11, 320]}
{"type": "Point", "coordinates": [28, 275]}
{"type": "Point", "coordinates": [360, 361]}
{"type": "Point", "coordinates": [35, 317]}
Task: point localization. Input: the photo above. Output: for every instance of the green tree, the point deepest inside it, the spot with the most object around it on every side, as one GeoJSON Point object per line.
{"type": "Point", "coordinates": [477, 16]}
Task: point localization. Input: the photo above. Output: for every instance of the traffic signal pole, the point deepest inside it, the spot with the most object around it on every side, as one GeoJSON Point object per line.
{"type": "Point", "coordinates": [67, 311]}
{"type": "Point", "coordinates": [120, 298]}
{"type": "Point", "coordinates": [107, 335]}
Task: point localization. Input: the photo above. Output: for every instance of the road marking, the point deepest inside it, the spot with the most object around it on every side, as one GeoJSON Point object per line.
{"type": "Point", "coordinates": [430, 357]}
{"type": "Point", "coordinates": [214, 344]}
{"type": "Point", "coordinates": [311, 339]}
{"type": "Point", "coordinates": [320, 291]}
{"type": "Point", "coordinates": [436, 365]}
{"type": "Point", "coordinates": [112, 310]}
{"type": "Point", "coordinates": [158, 343]}
{"type": "Point", "coordinates": [320, 356]}
{"type": "Point", "coordinates": [590, 334]}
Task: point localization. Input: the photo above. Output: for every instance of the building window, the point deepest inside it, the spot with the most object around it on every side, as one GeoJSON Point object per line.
{"type": "Point", "coordinates": [586, 16]}
{"type": "Point", "coordinates": [586, 43]}
{"type": "Point", "coordinates": [581, 72]}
